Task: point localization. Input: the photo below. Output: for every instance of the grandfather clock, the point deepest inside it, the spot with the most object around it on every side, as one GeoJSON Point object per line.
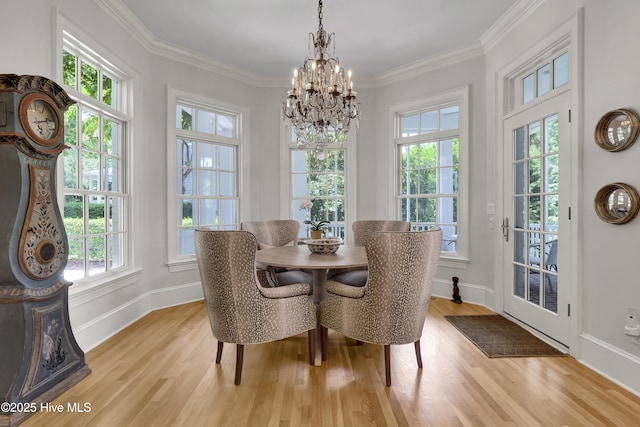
{"type": "Point", "coordinates": [39, 356]}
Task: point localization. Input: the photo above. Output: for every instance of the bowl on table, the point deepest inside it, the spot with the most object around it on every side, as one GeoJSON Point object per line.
{"type": "Point", "coordinates": [324, 246]}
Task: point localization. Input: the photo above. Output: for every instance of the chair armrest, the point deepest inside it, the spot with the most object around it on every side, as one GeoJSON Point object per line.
{"type": "Point", "coordinates": [287, 291]}
{"type": "Point", "coordinates": [267, 277]}
{"type": "Point", "coordinates": [343, 290]}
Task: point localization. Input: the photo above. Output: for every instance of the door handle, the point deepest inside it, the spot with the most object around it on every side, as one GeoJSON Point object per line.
{"type": "Point", "coordinates": [505, 229]}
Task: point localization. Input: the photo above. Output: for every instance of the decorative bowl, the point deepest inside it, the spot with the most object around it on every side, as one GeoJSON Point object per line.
{"type": "Point", "coordinates": [324, 246]}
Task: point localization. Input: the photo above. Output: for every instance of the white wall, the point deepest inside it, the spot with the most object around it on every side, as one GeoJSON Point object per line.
{"type": "Point", "coordinates": [476, 278]}
{"type": "Point", "coordinates": [609, 266]}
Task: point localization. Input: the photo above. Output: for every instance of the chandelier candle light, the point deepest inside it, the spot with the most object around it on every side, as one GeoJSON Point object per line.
{"type": "Point", "coordinates": [321, 101]}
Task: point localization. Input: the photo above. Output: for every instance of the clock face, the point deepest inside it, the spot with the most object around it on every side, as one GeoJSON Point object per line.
{"type": "Point", "coordinates": [40, 118]}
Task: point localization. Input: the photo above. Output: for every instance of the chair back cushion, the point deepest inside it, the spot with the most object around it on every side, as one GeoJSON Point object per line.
{"type": "Point", "coordinates": [226, 262]}
{"type": "Point", "coordinates": [393, 305]}
{"type": "Point", "coordinates": [240, 310]}
{"type": "Point", "coordinates": [272, 233]}
{"type": "Point", "coordinates": [362, 229]}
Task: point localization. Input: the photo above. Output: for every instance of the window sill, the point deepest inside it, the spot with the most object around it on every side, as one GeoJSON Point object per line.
{"type": "Point", "coordinates": [453, 262]}
{"type": "Point", "coordinates": [179, 265]}
{"type": "Point", "coordinates": [103, 284]}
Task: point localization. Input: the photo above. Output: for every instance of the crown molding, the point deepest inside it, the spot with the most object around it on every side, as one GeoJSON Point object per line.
{"type": "Point", "coordinates": [127, 20]}
{"type": "Point", "coordinates": [435, 62]}
{"type": "Point", "coordinates": [512, 18]}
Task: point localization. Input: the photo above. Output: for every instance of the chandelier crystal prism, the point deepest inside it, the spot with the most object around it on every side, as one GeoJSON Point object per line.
{"type": "Point", "coordinates": [321, 104]}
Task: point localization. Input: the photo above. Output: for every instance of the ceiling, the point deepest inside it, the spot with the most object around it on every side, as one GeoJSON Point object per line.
{"type": "Point", "coordinates": [266, 39]}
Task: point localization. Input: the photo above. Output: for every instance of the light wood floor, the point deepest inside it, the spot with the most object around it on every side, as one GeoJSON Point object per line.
{"type": "Point", "coordinates": [161, 372]}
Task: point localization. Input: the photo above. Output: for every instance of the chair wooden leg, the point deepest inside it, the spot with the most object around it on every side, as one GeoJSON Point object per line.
{"type": "Point", "coordinates": [324, 334]}
{"type": "Point", "coordinates": [239, 358]}
{"type": "Point", "coordinates": [418, 355]}
{"type": "Point", "coordinates": [387, 364]}
{"type": "Point", "coordinates": [219, 354]}
{"type": "Point", "coordinates": [311, 337]}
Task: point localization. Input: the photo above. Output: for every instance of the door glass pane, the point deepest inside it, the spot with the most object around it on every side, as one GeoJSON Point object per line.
{"type": "Point", "coordinates": [518, 212]}
{"type": "Point", "coordinates": [551, 134]}
{"type": "Point", "coordinates": [534, 176]}
{"type": "Point", "coordinates": [528, 87]}
{"type": "Point", "coordinates": [534, 139]}
{"type": "Point", "coordinates": [534, 212]}
{"type": "Point", "coordinates": [561, 70]}
{"type": "Point", "coordinates": [519, 280]}
{"type": "Point", "coordinates": [520, 246]}
{"type": "Point", "coordinates": [519, 143]}
{"type": "Point", "coordinates": [544, 80]}
{"type": "Point", "coordinates": [551, 213]}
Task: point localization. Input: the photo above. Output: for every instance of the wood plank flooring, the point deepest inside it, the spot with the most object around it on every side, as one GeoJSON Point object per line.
{"type": "Point", "coordinates": [160, 371]}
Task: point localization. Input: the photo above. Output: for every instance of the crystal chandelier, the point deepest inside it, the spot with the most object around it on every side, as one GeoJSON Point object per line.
{"type": "Point", "coordinates": [321, 103]}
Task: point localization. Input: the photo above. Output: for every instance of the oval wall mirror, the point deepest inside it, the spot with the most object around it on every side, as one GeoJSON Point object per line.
{"type": "Point", "coordinates": [617, 130]}
{"type": "Point", "coordinates": [617, 203]}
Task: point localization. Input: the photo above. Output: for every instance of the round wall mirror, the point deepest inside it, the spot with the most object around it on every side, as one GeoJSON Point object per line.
{"type": "Point", "coordinates": [617, 203]}
{"type": "Point", "coordinates": [617, 130]}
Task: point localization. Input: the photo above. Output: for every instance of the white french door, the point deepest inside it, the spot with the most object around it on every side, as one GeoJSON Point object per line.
{"type": "Point", "coordinates": [535, 228]}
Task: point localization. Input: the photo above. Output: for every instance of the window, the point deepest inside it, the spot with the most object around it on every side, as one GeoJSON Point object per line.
{"type": "Point", "coordinates": [204, 151]}
{"type": "Point", "coordinates": [323, 179]}
{"type": "Point", "coordinates": [322, 182]}
{"type": "Point", "coordinates": [93, 167]}
{"type": "Point", "coordinates": [547, 77]}
{"type": "Point", "coordinates": [430, 144]}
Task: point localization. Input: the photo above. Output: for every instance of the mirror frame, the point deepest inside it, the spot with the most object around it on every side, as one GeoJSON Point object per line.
{"type": "Point", "coordinates": [602, 130]}
{"type": "Point", "coordinates": [601, 203]}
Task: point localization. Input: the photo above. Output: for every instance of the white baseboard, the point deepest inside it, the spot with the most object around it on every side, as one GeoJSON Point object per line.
{"type": "Point", "coordinates": [611, 362]}
{"type": "Point", "coordinates": [94, 332]}
{"type": "Point", "coordinates": [474, 294]}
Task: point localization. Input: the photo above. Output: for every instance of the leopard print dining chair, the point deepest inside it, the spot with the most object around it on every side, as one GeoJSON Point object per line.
{"type": "Point", "coordinates": [362, 229]}
{"type": "Point", "coordinates": [275, 233]}
{"type": "Point", "coordinates": [240, 309]}
{"type": "Point", "coordinates": [392, 306]}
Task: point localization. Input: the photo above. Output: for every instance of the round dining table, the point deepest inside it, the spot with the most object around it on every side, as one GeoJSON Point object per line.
{"type": "Point", "coordinates": [299, 256]}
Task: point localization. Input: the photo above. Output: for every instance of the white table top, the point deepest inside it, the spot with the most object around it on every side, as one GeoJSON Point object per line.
{"type": "Point", "coordinates": [299, 256]}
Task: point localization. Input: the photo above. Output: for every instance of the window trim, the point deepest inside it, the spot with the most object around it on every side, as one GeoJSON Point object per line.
{"type": "Point", "coordinates": [70, 37]}
{"type": "Point", "coordinates": [458, 96]}
{"type": "Point", "coordinates": [350, 145]}
{"type": "Point", "coordinates": [175, 261]}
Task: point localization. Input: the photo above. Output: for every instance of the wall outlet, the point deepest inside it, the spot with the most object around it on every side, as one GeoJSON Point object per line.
{"type": "Point", "coordinates": [491, 222]}
{"type": "Point", "coordinates": [632, 328]}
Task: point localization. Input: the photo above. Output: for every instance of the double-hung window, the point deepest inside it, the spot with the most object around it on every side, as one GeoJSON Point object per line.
{"type": "Point", "coordinates": [204, 142]}
{"type": "Point", "coordinates": [430, 141]}
{"type": "Point", "coordinates": [95, 191]}
{"type": "Point", "coordinates": [320, 181]}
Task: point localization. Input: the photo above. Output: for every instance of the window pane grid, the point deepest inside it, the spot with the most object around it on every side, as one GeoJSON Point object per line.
{"type": "Point", "coordinates": [207, 193]}
{"type": "Point", "coordinates": [546, 78]}
{"type": "Point", "coordinates": [428, 171]}
{"type": "Point", "coordinates": [95, 199]}
{"type": "Point", "coordinates": [322, 183]}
